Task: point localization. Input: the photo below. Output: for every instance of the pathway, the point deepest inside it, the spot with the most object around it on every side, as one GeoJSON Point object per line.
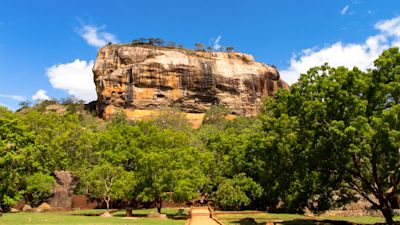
{"type": "Point", "coordinates": [201, 216]}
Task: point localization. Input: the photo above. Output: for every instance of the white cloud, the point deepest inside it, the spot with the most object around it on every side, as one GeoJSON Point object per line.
{"type": "Point", "coordinates": [40, 95]}
{"type": "Point", "coordinates": [346, 54]}
{"type": "Point", "coordinates": [95, 37]}
{"type": "Point", "coordinates": [13, 97]}
{"type": "Point", "coordinates": [344, 10]}
{"type": "Point", "coordinates": [76, 78]}
{"type": "Point", "coordinates": [389, 27]}
{"type": "Point", "coordinates": [216, 45]}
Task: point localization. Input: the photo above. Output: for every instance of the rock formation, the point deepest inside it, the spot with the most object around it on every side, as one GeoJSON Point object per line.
{"type": "Point", "coordinates": [63, 190]}
{"type": "Point", "coordinates": [144, 79]}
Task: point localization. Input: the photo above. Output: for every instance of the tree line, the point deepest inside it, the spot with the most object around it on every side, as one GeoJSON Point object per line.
{"type": "Point", "coordinates": [334, 137]}
{"type": "Point", "coordinates": [157, 42]}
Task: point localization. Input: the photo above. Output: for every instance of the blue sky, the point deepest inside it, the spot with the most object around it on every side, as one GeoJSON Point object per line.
{"type": "Point", "coordinates": [47, 47]}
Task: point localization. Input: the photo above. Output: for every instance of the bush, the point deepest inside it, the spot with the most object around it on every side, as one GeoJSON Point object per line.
{"type": "Point", "coordinates": [39, 187]}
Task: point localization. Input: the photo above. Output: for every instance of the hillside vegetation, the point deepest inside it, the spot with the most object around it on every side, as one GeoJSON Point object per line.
{"type": "Point", "coordinates": [334, 135]}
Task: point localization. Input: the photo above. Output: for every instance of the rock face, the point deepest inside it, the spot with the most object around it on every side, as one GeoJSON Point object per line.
{"type": "Point", "coordinates": [143, 79]}
{"type": "Point", "coordinates": [63, 190]}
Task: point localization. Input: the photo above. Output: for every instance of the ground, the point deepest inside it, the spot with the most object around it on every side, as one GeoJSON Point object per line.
{"type": "Point", "coordinates": [230, 218]}
{"type": "Point", "coordinates": [201, 216]}
{"type": "Point", "coordinates": [78, 218]}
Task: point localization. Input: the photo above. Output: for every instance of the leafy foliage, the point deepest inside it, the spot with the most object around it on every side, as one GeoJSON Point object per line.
{"type": "Point", "coordinates": [39, 187]}
{"type": "Point", "coordinates": [238, 191]}
{"type": "Point", "coordinates": [334, 137]}
{"type": "Point", "coordinates": [339, 128]}
{"type": "Point", "coordinates": [110, 182]}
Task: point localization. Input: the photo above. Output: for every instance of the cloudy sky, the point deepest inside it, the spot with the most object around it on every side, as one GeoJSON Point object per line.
{"type": "Point", "coordinates": [47, 48]}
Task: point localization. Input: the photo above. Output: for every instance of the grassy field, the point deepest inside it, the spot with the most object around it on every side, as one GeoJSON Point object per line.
{"type": "Point", "coordinates": [78, 218]}
{"type": "Point", "coordinates": [136, 212]}
{"type": "Point", "coordinates": [292, 219]}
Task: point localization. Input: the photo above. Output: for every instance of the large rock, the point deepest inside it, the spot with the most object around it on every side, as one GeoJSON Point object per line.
{"type": "Point", "coordinates": [106, 214]}
{"type": "Point", "coordinates": [26, 208]}
{"type": "Point", "coordinates": [14, 210]}
{"type": "Point", "coordinates": [143, 79]}
{"type": "Point", "coordinates": [84, 202]}
{"type": "Point", "coordinates": [44, 206]}
{"type": "Point", "coordinates": [63, 190]}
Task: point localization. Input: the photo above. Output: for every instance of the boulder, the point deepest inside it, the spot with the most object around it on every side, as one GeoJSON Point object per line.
{"type": "Point", "coordinates": [84, 202]}
{"type": "Point", "coordinates": [156, 215]}
{"type": "Point", "coordinates": [14, 210]}
{"type": "Point", "coordinates": [106, 214]}
{"type": "Point", "coordinates": [26, 208]}
{"type": "Point", "coordinates": [63, 190]}
{"type": "Point", "coordinates": [308, 212]}
{"type": "Point", "coordinates": [44, 206]}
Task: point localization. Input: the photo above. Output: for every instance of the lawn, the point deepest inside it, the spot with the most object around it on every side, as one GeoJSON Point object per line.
{"type": "Point", "coordinates": [291, 219]}
{"type": "Point", "coordinates": [78, 218]}
{"type": "Point", "coordinates": [136, 212]}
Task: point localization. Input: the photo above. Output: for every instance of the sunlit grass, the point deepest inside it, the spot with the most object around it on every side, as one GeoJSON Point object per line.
{"type": "Point", "coordinates": [121, 212]}
{"type": "Point", "coordinates": [260, 217]}
{"type": "Point", "coordinates": [78, 218]}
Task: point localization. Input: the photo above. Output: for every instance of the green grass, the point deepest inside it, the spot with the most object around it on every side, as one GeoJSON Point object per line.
{"type": "Point", "coordinates": [136, 212]}
{"type": "Point", "coordinates": [260, 215]}
{"type": "Point", "coordinates": [294, 219]}
{"type": "Point", "coordinates": [68, 218]}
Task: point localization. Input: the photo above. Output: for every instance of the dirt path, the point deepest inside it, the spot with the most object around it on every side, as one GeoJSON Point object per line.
{"type": "Point", "coordinates": [201, 216]}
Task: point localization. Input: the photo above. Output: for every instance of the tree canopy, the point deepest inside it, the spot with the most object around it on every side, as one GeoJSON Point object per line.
{"type": "Point", "coordinates": [334, 137]}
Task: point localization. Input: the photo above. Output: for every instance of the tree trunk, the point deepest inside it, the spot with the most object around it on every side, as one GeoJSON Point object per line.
{"type": "Point", "coordinates": [107, 200]}
{"type": "Point", "coordinates": [387, 213]}
{"type": "Point", "coordinates": [159, 205]}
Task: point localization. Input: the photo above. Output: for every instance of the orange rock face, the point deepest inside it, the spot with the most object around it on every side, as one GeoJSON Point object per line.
{"type": "Point", "coordinates": [142, 79]}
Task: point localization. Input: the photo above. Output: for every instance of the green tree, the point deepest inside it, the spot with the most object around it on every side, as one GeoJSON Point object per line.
{"type": "Point", "coordinates": [151, 40]}
{"type": "Point", "coordinates": [142, 40]}
{"type": "Point", "coordinates": [171, 118]}
{"type": "Point", "coordinates": [346, 126]}
{"type": "Point", "coordinates": [168, 166]}
{"type": "Point", "coordinates": [39, 187]}
{"type": "Point", "coordinates": [119, 142]}
{"type": "Point", "coordinates": [59, 140]}
{"type": "Point", "coordinates": [135, 42]}
{"type": "Point", "coordinates": [159, 41]}
{"type": "Point", "coordinates": [216, 114]}
{"type": "Point", "coordinates": [237, 192]}
{"type": "Point", "coordinates": [110, 182]}
{"type": "Point", "coordinates": [230, 48]}
{"type": "Point", "coordinates": [25, 104]}
{"type": "Point", "coordinates": [199, 47]}
{"type": "Point", "coordinates": [16, 146]}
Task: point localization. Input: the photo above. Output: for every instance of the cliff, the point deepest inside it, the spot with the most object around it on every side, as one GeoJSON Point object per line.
{"type": "Point", "coordinates": [144, 79]}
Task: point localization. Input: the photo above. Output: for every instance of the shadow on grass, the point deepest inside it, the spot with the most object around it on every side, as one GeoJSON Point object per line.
{"type": "Point", "coordinates": [175, 216]}
{"type": "Point", "coordinates": [121, 213]}
{"type": "Point", "coordinates": [251, 221]}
